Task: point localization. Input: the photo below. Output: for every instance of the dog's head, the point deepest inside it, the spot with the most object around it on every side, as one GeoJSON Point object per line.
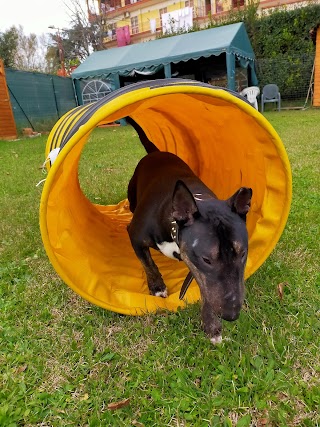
{"type": "Point", "coordinates": [213, 243]}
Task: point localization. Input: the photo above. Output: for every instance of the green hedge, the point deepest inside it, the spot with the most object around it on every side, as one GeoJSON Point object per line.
{"type": "Point", "coordinates": [282, 42]}
{"type": "Point", "coordinates": [276, 32]}
{"type": "Point", "coordinates": [284, 32]}
{"type": "Point", "coordinates": [292, 74]}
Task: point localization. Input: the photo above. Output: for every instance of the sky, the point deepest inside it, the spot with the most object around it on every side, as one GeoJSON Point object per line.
{"type": "Point", "coordinates": [35, 16]}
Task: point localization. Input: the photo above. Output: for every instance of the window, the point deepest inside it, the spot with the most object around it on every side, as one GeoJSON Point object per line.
{"type": "Point", "coordinates": [237, 3]}
{"type": "Point", "coordinates": [111, 4]}
{"type": "Point", "coordinates": [134, 25]}
{"type": "Point", "coordinates": [161, 12]}
{"type": "Point", "coordinates": [94, 90]}
{"type": "Point", "coordinates": [112, 31]}
{"type": "Point", "coordinates": [188, 3]}
{"type": "Point", "coordinates": [103, 7]}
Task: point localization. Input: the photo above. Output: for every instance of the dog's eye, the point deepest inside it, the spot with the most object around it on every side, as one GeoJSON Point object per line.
{"type": "Point", "coordinates": [206, 260]}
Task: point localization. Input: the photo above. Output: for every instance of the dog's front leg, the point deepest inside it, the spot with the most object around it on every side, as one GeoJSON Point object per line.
{"type": "Point", "coordinates": [211, 323]}
{"type": "Point", "coordinates": [155, 282]}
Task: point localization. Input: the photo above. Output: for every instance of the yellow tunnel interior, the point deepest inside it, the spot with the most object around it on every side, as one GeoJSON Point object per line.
{"type": "Point", "coordinates": [224, 140]}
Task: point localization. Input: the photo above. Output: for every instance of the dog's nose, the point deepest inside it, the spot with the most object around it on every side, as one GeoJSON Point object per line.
{"type": "Point", "coordinates": [230, 296]}
{"type": "Point", "coordinates": [231, 312]}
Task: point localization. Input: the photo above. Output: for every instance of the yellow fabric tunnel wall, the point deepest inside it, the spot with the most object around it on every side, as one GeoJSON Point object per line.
{"type": "Point", "coordinates": [224, 140]}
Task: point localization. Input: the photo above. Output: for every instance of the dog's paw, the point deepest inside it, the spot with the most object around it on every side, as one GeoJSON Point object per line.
{"type": "Point", "coordinates": [216, 339]}
{"type": "Point", "coordinates": [162, 294]}
{"type": "Point", "coordinates": [158, 288]}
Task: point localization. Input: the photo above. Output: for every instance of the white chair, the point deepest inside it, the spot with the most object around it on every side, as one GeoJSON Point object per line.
{"type": "Point", "coordinates": [251, 94]}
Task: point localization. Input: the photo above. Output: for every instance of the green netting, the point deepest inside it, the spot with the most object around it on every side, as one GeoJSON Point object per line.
{"type": "Point", "coordinates": [39, 100]}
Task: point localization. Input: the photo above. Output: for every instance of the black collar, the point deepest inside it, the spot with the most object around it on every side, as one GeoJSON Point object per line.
{"type": "Point", "coordinates": [175, 237]}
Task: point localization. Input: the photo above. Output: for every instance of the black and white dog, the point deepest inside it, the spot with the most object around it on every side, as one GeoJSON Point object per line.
{"type": "Point", "coordinates": [176, 213]}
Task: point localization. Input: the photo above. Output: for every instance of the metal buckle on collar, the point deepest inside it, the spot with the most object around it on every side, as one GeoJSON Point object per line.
{"type": "Point", "coordinates": [174, 232]}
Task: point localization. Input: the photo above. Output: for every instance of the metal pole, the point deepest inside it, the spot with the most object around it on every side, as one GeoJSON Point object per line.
{"type": "Point", "coordinates": [60, 49]}
{"type": "Point", "coordinates": [61, 53]}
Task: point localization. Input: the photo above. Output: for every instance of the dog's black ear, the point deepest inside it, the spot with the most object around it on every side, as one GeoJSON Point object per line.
{"type": "Point", "coordinates": [240, 202]}
{"type": "Point", "coordinates": [184, 206]}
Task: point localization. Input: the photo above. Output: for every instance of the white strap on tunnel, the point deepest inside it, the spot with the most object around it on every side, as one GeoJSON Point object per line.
{"type": "Point", "coordinates": [50, 158]}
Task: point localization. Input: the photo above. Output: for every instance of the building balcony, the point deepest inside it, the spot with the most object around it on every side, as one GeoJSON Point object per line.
{"type": "Point", "coordinates": [138, 15]}
{"type": "Point", "coordinates": [113, 8]}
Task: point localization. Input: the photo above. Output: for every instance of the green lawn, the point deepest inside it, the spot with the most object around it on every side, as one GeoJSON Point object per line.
{"type": "Point", "coordinates": [63, 360]}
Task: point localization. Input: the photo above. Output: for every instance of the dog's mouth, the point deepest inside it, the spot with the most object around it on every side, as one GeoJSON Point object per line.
{"type": "Point", "coordinates": [215, 301]}
{"type": "Point", "coordinates": [228, 314]}
{"type": "Point", "coordinates": [231, 316]}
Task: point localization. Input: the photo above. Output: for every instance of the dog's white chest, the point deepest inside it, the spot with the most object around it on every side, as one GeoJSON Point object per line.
{"type": "Point", "coordinates": [169, 248]}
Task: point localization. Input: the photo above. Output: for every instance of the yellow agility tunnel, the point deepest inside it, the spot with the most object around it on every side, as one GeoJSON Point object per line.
{"type": "Point", "coordinates": [224, 140]}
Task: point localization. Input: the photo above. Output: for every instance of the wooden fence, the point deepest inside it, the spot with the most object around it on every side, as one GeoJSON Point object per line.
{"type": "Point", "coordinates": [8, 128]}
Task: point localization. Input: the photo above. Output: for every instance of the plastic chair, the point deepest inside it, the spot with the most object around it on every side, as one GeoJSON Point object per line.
{"type": "Point", "coordinates": [270, 93]}
{"type": "Point", "coordinates": [251, 94]}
